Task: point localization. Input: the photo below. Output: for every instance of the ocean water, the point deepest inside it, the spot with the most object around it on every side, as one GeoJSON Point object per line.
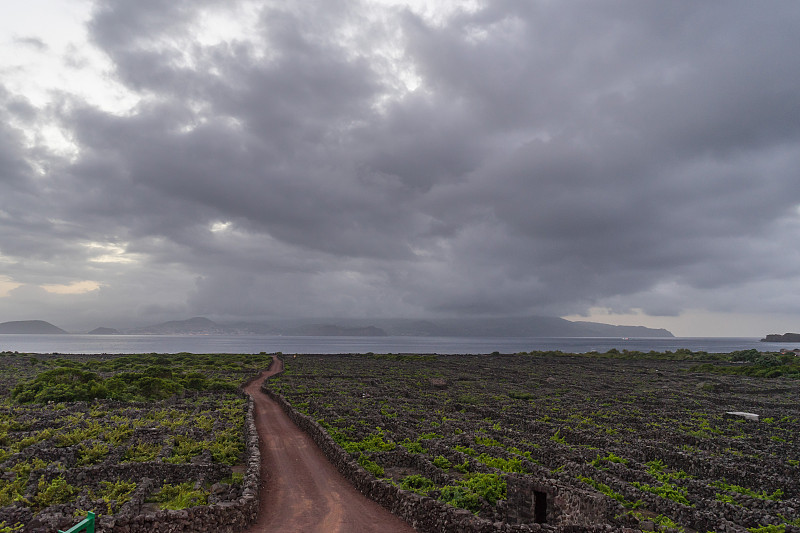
{"type": "Point", "coordinates": [127, 344]}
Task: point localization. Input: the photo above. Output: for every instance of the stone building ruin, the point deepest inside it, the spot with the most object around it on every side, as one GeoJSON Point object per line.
{"type": "Point", "coordinates": [532, 501]}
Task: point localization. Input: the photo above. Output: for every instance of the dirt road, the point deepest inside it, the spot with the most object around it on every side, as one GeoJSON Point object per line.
{"type": "Point", "coordinates": [301, 491]}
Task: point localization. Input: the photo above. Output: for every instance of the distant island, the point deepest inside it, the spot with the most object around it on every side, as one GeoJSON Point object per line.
{"type": "Point", "coordinates": [453, 327]}
{"type": "Point", "coordinates": [535, 326]}
{"type": "Point", "coordinates": [330, 330]}
{"type": "Point", "coordinates": [786, 337]}
{"type": "Point", "coordinates": [193, 326]}
{"type": "Point", "coordinates": [105, 331]}
{"type": "Point", "coordinates": [203, 326]}
{"type": "Point", "coordinates": [30, 327]}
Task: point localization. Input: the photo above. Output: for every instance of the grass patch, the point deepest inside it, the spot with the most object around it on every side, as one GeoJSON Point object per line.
{"type": "Point", "coordinates": [179, 496]}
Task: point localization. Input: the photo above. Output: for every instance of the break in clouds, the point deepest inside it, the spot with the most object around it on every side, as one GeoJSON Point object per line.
{"type": "Point", "coordinates": [342, 158]}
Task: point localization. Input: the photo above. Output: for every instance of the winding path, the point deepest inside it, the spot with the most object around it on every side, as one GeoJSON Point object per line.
{"type": "Point", "coordinates": [301, 491]}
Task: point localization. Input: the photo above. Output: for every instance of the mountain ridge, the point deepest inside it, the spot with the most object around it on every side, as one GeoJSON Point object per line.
{"type": "Point", "coordinates": [378, 327]}
{"type": "Point", "coordinates": [452, 327]}
{"type": "Point", "coordinates": [30, 327]}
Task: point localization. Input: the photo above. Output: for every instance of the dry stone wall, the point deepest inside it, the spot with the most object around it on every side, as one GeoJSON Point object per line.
{"type": "Point", "coordinates": [426, 514]}
{"type": "Point", "coordinates": [234, 512]}
{"type": "Point", "coordinates": [619, 443]}
{"type": "Point", "coordinates": [231, 507]}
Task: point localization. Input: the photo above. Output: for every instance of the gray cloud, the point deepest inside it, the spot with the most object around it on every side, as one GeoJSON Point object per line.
{"type": "Point", "coordinates": [553, 158]}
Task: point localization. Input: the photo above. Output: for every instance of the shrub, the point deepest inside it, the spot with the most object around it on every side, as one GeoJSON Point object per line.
{"type": "Point", "coordinates": [60, 385]}
{"type": "Point", "coordinates": [467, 493]}
{"type": "Point", "coordinates": [458, 496]}
{"type": "Point", "coordinates": [114, 494]}
{"type": "Point", "coordinates": [412, 446]}
{"type": "Point", "coordinates": [417, 483]}
{"type": "Point", "coordinates": [142, 452]}
{"type": "Point", "coordinates": [442, 462]}
{"type": "Point", "coordinates": [227, 448]}
{"type": "Point", "coordinates": [466, 450]}
{"type": "Point", "coordinates": [608, 491]}
{"type": "Point", "coordinates": [117, 434]}
{"type": "Point", "coordinates": [194, 381]}
{"type": "Point", "coordinates": [660, 520]}
{"type": "Point", "coordinates": [490, 487]}
{"type": "Point", "coordinates": [55, 492]}
{"type": "Point", "coordinates": [11, 491]}
{"type": "Point", "coordinates": [370, 466]}
{"type": "Point", "coordinates": [184, 449]}
{"type": "Point", "coordinates": [180, 496]}
{"type": "Point", "coordinates": [768, 529]}
{"type": "Point", "coordinates": [611, 458]}
{"type": "Point", "coordinates": [487, 441]}
{"type": "Point", "coordinates": [763, 495]}
{"type": "Point", "coordinates": [666, 490]}
{"type": "Point", "coordinates": [89, 455]}
{"type": "Point", "coordinates": [558, 438]}
{"type": "Point", "coordinates": [506, 465]}
{"type": "Point", "coordinates": [372, 443]}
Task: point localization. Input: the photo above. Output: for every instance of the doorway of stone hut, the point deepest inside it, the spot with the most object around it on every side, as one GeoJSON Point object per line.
{"type": "Point", "coordinates": [539, 507]}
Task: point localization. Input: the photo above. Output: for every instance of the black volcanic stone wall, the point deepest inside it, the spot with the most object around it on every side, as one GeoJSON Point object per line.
{"type": "Point", "coordinates": [426, 514]}
{"type": "Point", "coordinates": [574, 425]}
{"type": "Point", "coordinates": [228, 516]}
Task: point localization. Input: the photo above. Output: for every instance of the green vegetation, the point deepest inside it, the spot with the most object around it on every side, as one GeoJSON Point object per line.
{"type": "Point", "coordinates": [61, 385]}
{"type": "Point", "coordinates": [607, 422]}
{"type": "Point", "coordinates": [412, 446]}
{"type": "Point", "coordinates": [487, 441]}
{"type": "Point", "coordinates": [777, 495]}
{"type": "Point", "coordinates": [506, 465]}
{"type": "Point", "coordinates": [370, 466]}
{"type": "Point", "coordinates": [372, 443]}
{"type": "Point", "coordinates": [179, 496]}
{"type": "Point", "coordinates": [54, 492]}
{"type": "Point", "coordinates": [416, 483]}
{"type": "Point", "coordinates": [665, 490]}
{"type": "Point", "coordinates": [136, 378]}
{"type": "Point", "coordinates": [610, 458]}
{"type": "Point", "coordinates": [605, 489]}
{"type": "Point", "coordinates": [113, 494]}
{"type": "Point", "coordinates": [13, 490]}
{"type": "Point", "coordinates": [184, 449]}
{"type": "Point", "coordinates": [758, 364]}
{"type": "Point", "coordinates": [90, 455]}
{"type": "Point", "coordinates": [466, 450]}
{"type": "Point", "coordinates": [142, 452]}
{"type": "Point", "coordinates": [658, 470]}
{"type": "Point", "coordinates": [442, 462]}
{"type": "Point", "coordinates": [467, 493]}
{"type": "Point", "coordinates": [768, 529]}
{"type": "Point", "coordinates": [185, 404]}
{"type": "Point", "coordinates": [227, 447]}
{"type": "Point", "coordinates": [659, 520]}
{"type": "Point", "coordinates": [558, 438]}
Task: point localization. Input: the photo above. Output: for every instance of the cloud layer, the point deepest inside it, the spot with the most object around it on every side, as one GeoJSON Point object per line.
{"type": "Point", "coordinates": [332, 158]}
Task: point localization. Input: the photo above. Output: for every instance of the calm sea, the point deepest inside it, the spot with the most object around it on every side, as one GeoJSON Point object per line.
{"type": "Point", "coordinates": [126, 344]}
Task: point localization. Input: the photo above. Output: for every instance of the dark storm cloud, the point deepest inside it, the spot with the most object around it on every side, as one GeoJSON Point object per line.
{"type": "Point", "coordinates": [554, 157]}
{"type": "Point", "coordinates": [24, 232]}
{"type": "Point", "coordinates": [667, 164]}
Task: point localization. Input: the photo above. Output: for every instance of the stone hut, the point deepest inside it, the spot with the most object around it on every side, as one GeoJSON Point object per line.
{"type": "Point", "coordinates": [546, 502]}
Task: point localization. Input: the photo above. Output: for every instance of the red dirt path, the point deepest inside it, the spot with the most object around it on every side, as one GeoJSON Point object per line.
{"type": "Point", "coordinates": [300, 490]}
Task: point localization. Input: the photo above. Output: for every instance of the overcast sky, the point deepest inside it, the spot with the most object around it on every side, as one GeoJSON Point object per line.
{"type": "Point", "coordinates": [630, 162]}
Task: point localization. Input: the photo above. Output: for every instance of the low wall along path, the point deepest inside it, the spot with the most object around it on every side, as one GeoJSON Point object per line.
{"type": "Point", "coordinates": [301, 491]}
